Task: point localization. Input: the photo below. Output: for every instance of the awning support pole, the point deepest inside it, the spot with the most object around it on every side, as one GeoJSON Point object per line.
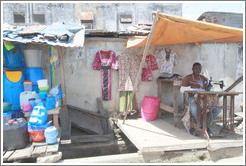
{"type": "Point", "coordinates": [65, 121]}
{"type": "Point", "coordinates": [146, 49]}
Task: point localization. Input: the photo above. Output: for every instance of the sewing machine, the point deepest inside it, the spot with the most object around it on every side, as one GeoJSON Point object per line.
{"type": "Point", "coordinates": [211, 83]}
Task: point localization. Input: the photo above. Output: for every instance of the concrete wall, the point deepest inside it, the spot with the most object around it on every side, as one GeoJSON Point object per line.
{"type": "Point", "coordinates": [106, 15]}
{"type": "Point", "coordinates": [54, 12]}
{"type": "Point", "coordinates": [83, 85]}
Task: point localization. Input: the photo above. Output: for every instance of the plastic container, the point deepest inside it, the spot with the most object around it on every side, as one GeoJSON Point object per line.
{"type": "Point", "coordinates": [54, 91]}
{"type": "Point", "coordinates": [50, 134]}
{"type": "Point", "coordinates": [33, 57]}
{"type": "Point", "coordinates": [150, 108]}
{"type": "Point", "coordinates": [15, 58]}
{"type": "Point", "coordinates": [27, 85]}
{"type": "Point", "coordinates": [6, 106]}
{"type": "Point", "coordinates": [42, 95]}
{"type": "Point", "coordinates": [32, 102]}
{"type": "Point", "coordinates": [17, 114]}
{"type": "Point", "coordinates": [34, 74]}
{"type": "Point", "coordinates": [42, 83]}
{"type": "Point", "coordinates": [25, 96]}
{"type": "Point", "coordinates": [12, 87]}
{"type": "Point", "coordinates": [37, 132]}
{"type": "Point", "coordinates": [15, 135]}
{"type": "Point", "coordinates": [27, 107]}
{"type": "Point", "coordinates": [38, 101]}
{"type": "Point", "coordinates": [7, 116]}
{"type": "Point", "coordinates": [39, 115]}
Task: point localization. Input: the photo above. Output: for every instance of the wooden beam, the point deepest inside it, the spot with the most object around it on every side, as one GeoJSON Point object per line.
{"type": "Point", "coordinates": [166, 108]}
{"type": "Point", "coordinates": [64, 118]}
{"type": "Point", "coordinates": [92, 138]}
{"type": "Point", "coordinates": [240, 79]}
{"type": "Point", "coordinates": [138, 78]}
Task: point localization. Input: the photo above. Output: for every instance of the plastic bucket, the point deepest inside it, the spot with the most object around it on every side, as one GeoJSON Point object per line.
{"type": "Point", "coordinates": [42, 95]}
{"type": "Point", "coordinates": [14, 57]}
{"type": "Point", "coordinates": [37, 132]}
{"type": "Point", "coordinates": [150, 108]}
{"type": "Point", "coordinates": [42, 83]}
{"type": "Point", "coordinates": [27, 107]}
{"type": "Point", "coordinates": [33, 58]}
{"type": "Point", "coordinates": [50, 134]}
{"type": "Point", "coordinates": [27, 85]}
{"type": "Point", "coordinates": [34, 74]}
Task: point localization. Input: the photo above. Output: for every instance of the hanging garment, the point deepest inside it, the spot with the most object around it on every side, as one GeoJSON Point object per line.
{"type": "Point", "coordinates": [105, 61]}
{"type": "Point", "coordinates": [151, 65]}
{"type": "Point", "coordinates": [125, 97]}
{"type": "Point", "coordinates": [129, 64]}
{"type": "Point", "coordinates": [166, 59]}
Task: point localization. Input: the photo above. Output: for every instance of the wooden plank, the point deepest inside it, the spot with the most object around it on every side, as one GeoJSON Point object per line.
{"type": "Point", "coordinates": [7, 155]}
{"type": "Point", "coordinates": [50, 112]}
{"type": "Point", "coordinates": [22, 153]}
{"type": "Point", "coordinates": [166, 108]}
{"type": "Point", "coordinates": [95, 114]}
{"type": "Point", "coordinates": [158, 135]}
{"type": "Point", "coordinates": [38, 151]}
{"type": "Point", "coordinates": [92, 138]}
{"type": "Point", "coordinates": [85, 121]}
{"type": "Point", "coordinates": [52, 148]}
{"type": "Point", "coordinates": [64, 118]}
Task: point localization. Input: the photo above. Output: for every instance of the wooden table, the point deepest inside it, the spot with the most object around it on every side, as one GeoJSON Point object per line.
{"type": "Point", "coordinates": [54, 112]}
{"type": "Point", "coordinates": [172, 109]}
{"type": "Point", "coordinates": [226, 128]}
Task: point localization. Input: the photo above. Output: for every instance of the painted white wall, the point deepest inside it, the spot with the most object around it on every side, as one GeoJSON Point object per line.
{"type": "Point", "coordinates": [83, 86]}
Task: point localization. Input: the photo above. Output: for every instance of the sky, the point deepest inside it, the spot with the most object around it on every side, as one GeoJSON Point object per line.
{"type": "Point", "coordinates": [192, 10]}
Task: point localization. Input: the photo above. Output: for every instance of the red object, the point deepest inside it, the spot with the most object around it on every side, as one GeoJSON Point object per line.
{"type": "Point", "coordinates": [26, 107]}
{"type": "Point", "coordinates": [150, 108]}
{"type": "Point", "coordinates": [11, 121]}
{"type": "Point", "coordinates": [37, 136]}
{"type": "Point", "coordinates": [27, 82]}
{"type": "Point", "coordinates": [151, 66]}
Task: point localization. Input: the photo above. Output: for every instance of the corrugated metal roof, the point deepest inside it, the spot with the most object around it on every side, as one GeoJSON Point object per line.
{"type": "Point", "coordinates": [18, 32]}
{"type": "Point", "coordinates": [77, 41]}
{"type": "Point", "coordinates": [214, 12]}
{"type": "Point", "coordinates": [116, 34]}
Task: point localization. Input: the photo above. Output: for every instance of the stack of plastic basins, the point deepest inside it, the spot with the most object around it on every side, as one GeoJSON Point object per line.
{"type": "Point", "coordinates": [15, 135]}
{"type": "Point", "coordinates": [150, 108]}
{"type": "Point", "coordinates": [7, 114]}
{"type": "Point", "coordinates": [38, 123]}
{"type": "Point", "coordinates": [13, 76]}
{"type": "Point", "coordinates": [34, 72]}
{"type": "Point", "coordinates": [12, 87]}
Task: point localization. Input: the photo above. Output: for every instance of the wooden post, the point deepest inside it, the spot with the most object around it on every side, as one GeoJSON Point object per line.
{"type": "Point", "coordinates": [146, 49]}
{"type": "Point", "coordinates": [64, 118]}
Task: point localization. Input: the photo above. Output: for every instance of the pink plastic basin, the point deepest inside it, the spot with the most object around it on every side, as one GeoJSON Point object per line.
{"type": "Point", "coordinates": [27, 107]}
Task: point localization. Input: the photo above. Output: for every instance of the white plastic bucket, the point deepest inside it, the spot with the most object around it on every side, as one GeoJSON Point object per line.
{"type": "Point", "coordinates": [33, 57]}
{"type": "Point", "coordinates": [42, 83]}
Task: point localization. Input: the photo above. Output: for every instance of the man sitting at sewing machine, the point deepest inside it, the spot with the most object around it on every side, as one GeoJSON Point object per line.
{"type": "Point", "coordinates": [199, 82]}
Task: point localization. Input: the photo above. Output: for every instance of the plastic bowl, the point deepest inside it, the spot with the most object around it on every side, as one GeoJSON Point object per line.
{"type": "Point", "coordinates": [26, 107]}
{"type": "Point", "coordinates": [42, 83]}
{"type": "Point", "coordinates": [42, 95]}
{"type": "Point", "coordinates": [43, 88]}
